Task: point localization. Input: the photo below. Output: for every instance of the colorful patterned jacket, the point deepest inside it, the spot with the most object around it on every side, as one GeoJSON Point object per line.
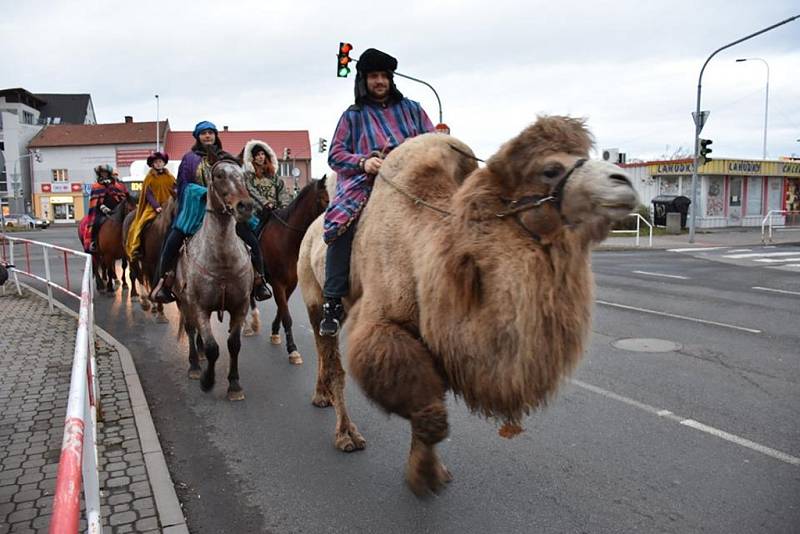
{"type": "Point", "coordinates": [364, 129]}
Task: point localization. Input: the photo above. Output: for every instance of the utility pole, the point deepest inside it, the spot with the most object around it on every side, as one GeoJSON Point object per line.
{"type": "Point", "coordinates": [699, 120]}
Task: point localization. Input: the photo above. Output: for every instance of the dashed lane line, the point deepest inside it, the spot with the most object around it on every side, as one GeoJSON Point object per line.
{"type": "Point", "coordinates": [662, 275]}
{"type": "Point", "coordinates": [695, 249]}
{"type": "Point", "coordinates": [782, 291]}
{"type": "Point", "coordinates": [758, 255]}
{"type": "Point", "coordinates": [691, 423]}
{"type": "Point", "coordinates": [682, 317]}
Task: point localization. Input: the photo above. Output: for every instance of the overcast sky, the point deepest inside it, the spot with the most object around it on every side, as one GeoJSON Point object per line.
{"type": "Point", "coordinates": [629, 67]}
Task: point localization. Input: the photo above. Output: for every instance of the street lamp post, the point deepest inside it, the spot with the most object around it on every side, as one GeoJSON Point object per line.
{"type": "Point", "coordinates": [766, 99]}
{"type": "Point", "coordinates": [158, 140]}
{"type": "Point", "coordinates": [699, 119]}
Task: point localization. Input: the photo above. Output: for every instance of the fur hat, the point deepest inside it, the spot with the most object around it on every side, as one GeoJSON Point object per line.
{"type": "Point", "coordinates": [163, 156]}
{"type": "Point", "coordinates": [204, 125]}
{"type": "Point", "coordinates": [248, 155]}
{"type": "Point", "coordinates": [372, 60]}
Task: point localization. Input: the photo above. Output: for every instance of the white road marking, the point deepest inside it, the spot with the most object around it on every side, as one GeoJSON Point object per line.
{"type": "Point", "coordinates": [691, 423]}
{"type": "Point", "coordinates": [694, 249]}
{"type": "Point", "coordinates": [758, 254]}
{"type": "Point", "coordinates": [784, 291]}
{"type": "Point", "coordinates": [741, 250]}
{"type": "Point", "coordinates": [792, 265]}
{"type": "Point", "coordinates": [662, 274]}
{"type": "Point", "coordinates": [776, 260]}
{"type": "Point", "coordinates": [676, 316]}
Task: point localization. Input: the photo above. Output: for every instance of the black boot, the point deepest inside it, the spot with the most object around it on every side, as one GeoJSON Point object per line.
{"type": "Point", "coordinates": [332, 312]}
{"type": "Point", "coordinates": [95, 229]}
{"type": "Point", "coordinates": [260, 289]}
{"type": "Point", "coordinates": [162, 293]}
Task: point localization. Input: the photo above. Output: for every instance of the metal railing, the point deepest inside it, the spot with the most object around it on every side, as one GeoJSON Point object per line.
{"type": "Point", "coordinates": [778, 216]}
{"type": "Point", "coordinates": [639, 221]}
{"type": "Point", "coordinates": [78, 464]}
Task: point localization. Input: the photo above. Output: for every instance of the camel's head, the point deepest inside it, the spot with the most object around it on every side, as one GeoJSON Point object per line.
{"type": "Point", "coordinates": [549, 160]}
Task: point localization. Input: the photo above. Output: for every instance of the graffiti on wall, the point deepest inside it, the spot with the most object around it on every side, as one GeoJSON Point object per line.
{"type": "Point", "coordinates": [715, 197]}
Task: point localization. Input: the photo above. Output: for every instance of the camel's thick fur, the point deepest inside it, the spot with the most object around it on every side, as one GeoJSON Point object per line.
{"type": "Point", "coordinates": [495, 309]}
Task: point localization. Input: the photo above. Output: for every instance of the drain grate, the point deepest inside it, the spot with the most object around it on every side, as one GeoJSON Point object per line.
{"type": "Point", "coordinates": [643, 344]}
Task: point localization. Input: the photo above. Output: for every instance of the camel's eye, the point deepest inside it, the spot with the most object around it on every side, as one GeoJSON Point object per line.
{"type": "Point", "coordinates": [553, 171]}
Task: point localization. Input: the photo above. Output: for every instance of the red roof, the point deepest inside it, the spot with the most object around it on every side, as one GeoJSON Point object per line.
{"type": "Point", "coordinates": [122, 133]}
{"type": "Point", "coordinates": [178, 143]}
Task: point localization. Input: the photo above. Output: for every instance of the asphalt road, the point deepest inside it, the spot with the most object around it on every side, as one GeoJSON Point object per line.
{"type": "Point", "coordinates": [705, 437]}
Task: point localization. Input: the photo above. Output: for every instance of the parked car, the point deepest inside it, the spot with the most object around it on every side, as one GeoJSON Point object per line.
{"type": "Point", "coordinates": [25, 220]}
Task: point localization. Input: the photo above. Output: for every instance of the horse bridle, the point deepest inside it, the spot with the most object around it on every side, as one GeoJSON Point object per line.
{"type": "Point", "coordinates": [226, 210]}
{"type": "Point", "coordinates": [529, 202]}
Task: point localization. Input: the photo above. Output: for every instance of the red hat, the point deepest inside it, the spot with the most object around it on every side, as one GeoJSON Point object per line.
{"type": "Point", "coordinates": [163, 156]}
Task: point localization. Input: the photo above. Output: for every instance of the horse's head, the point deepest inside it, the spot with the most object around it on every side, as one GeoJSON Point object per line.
{"type": "Point", "coordinates": [321, 197]}
{"type": "Point", "coordinates": [546, 179]}
{"type": "Point", "coordinates": [227, 192]}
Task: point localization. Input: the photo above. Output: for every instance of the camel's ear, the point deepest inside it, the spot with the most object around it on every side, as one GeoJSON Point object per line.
{"type": "Point", "coordinates": [468, 281]}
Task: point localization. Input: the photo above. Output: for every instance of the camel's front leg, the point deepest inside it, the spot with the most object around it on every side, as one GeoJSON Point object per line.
{"type": "Point", "coordinates": [397, 372]}
{"type": "Point", "coordinates": [330, 383]}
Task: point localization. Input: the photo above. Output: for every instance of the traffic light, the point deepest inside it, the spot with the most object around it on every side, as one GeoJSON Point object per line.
{"type": "Point", "coordinates": [322, 144]}
{"type": "Point", "coordinates": [705, 151]}
{"type": "Point", "coordinates": [343, 60]}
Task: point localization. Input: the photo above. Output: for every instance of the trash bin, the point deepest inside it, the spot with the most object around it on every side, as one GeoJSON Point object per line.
{"type": "Point", "coordinates": [663, 204]}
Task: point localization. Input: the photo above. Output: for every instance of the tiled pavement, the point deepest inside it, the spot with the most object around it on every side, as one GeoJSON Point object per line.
{"type": "Point", "coordinates": [36, 349]}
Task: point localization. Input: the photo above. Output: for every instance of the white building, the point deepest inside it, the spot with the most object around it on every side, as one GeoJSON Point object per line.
{"type": "Point", "coordinates": [69, 154]}
{"type": "Point", "coordinates": [22, 116]}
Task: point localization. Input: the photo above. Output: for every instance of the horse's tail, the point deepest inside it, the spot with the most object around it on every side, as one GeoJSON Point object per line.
{"type": "Point", "coordinates": [181, 325]}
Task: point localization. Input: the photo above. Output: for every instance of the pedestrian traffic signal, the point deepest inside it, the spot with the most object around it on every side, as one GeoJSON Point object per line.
{"type": "Point", "coordinates": [705, 151]}
{"type": "Point", "coordinates": [343, 60]}
{"type": "Point", "coordinates": [322, 144]}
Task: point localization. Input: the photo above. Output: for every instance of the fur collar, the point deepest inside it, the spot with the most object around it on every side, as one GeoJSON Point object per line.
{"type": "Point", "coordinates": [247, 156]}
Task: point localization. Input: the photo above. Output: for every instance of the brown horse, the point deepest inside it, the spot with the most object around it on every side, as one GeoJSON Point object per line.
{"type": "Point", "coordinates": [215, 274]}
{"type": "Point", "coordinates": [143, 270]}
{"type": "Point", "coordinates": [111, 247]}
{"type": "Point", "coordinates": [280, 245]}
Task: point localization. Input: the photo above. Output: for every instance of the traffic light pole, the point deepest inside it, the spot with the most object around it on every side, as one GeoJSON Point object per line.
{"type": "Point", "coordinates": [429, 85]}
{"type": "Point", "coordinates": [698, 122]}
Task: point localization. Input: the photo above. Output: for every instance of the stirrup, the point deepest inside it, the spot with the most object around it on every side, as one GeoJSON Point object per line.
{"type": "Point", "coordinates": [331, 318]}
{"type": "Point", "coordinates": [162, 293]}
{"type": "Point", "coordinates": [260, 289]}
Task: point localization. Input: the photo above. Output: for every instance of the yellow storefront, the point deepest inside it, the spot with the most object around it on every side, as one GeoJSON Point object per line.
{"type": "Point", "coordinates": [733, 192]}
{"type": "Point", "coordinates": [61, 203]}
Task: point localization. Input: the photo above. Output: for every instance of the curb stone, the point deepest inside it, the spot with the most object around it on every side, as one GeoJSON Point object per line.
{"type": "Point", "coordinates": [170, 513]}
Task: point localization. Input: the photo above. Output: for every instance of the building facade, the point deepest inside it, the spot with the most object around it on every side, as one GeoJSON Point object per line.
{"type": "Point", "coordinates": [19, 123]}
{"type": "Point", "coordinates": [63, 178]}
{"type": "Point", "coordinates": [731, 192]}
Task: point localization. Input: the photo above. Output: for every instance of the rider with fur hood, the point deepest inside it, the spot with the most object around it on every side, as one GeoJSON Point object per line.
{"type": "Point", "coordinates": [260, 165]}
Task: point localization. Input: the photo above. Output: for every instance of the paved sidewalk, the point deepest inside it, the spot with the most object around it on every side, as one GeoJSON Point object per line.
{"type": "Point", "coordinates": [723, 237]}
{"type": "Point", "coordinates": [36, 349]}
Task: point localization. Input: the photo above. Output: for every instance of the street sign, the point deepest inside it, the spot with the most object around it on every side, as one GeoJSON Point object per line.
{"type": "Point", "coordinates": [87, 189]}
{"type": "Point", "coordinates": [702, 121]}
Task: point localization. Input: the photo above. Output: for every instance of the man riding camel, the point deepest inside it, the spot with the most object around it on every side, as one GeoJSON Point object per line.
{"type": "Point", "coordinates": [194, 175]}
{"type": "Point", "coordinates": [106, 194]}
{"type": "Point", "coordinates": [157, 189]}
{"type": "Point", "coordinates": [379, 121]}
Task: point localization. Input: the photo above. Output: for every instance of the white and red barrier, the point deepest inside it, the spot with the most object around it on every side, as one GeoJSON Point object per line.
{"type": "Point", "coordinates": [77, 467]}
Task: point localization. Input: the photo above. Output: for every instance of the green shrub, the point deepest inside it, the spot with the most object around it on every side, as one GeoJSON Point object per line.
{"type": "Point", "coordinates": [629, 223]}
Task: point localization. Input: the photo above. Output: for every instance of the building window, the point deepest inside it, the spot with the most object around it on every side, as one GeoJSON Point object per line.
{"type": "Point", "coordinates": [284, 168]}
{"type": "Point", "coordinates": [60, 175]}
{"type": "Point", "coordinates": [754, 195]}
{"type": "Point", "coordinates": [27, 117]}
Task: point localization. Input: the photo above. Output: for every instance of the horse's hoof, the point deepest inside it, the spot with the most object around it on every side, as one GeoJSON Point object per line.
{"type": "Point", "coordinates": [194, 374]}
{"type": "Point", "coordinates": [134, 298]}
{"type": "Point", "coordinates": [144, 304]}
{"type": "Point", "coordinates": [295, 358]}
{"type": "Point", "coordinates": [321, 401]}
{"type": "Point", "coordinates": [236, 395]}
{"type": "Point", "coordinates": [160, 318]}
{"type": "Point", "coordinates": [275, 339]}
{"type": "Point", "coordinates": [248, 331]}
